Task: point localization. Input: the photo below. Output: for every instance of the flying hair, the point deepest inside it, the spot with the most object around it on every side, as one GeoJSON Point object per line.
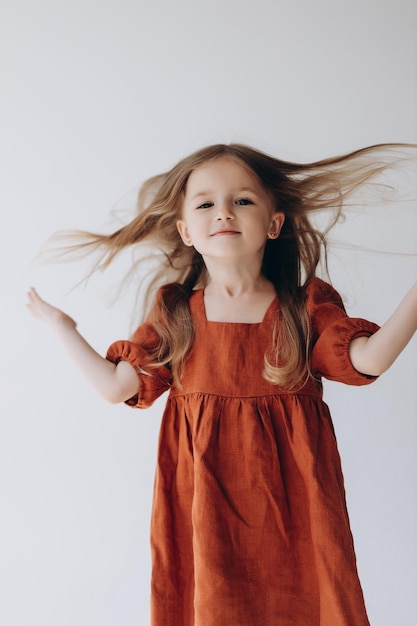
{"type": "Point", "coordinates": [299, 190]}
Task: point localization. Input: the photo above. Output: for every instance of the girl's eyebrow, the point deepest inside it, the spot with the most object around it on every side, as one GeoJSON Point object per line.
{"type": "Point", "coordinates": [238, 191]}
{"type": "Point", "coordinates": [200, 194]}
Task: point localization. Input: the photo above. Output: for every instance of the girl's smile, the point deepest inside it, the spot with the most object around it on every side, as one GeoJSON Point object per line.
{"type": "Point", "coordinates": [225, 232]}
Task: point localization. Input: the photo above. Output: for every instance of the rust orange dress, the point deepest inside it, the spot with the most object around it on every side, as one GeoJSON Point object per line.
{"type": "Point", "coordinates": [249, 523]}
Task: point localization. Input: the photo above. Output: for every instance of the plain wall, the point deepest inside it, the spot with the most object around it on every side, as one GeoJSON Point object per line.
{"type": "Point", "coordinates": [96, 97]}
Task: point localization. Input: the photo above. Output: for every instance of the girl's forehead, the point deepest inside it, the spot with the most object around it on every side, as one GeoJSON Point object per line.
{"type": "Point", "coordinates": [222, 169]}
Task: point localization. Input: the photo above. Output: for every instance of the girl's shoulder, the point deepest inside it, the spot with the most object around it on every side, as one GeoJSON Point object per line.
{"type": "Point", "coordinates": [168, 296]}
{"type": "Point", "coordinates": [170, 293]}
{"type": "Point", "coordinates": [318, 291]}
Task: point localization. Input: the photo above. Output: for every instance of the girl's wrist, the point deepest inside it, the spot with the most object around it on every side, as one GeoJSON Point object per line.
{"type": "Point", "coordinates": [62, 322]}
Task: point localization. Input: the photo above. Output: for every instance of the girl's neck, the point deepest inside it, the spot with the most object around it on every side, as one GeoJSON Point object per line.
{"type": "Point", "coordinates": [238, 287]}
{"type": "Point", "coordinates": [242, 300]}
{"type": "Point", "coordinates": [235, 280]}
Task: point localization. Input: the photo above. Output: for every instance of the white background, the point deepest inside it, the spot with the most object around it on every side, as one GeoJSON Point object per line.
{"type": "Point", "coordinates": [97, 96]}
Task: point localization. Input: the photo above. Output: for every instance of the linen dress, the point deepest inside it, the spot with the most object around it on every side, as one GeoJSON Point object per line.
{"type": "Point", "coordinates": [249, 523]}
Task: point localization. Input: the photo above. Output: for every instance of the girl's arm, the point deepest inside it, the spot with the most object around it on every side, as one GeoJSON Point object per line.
{"type": "Point", "coordinates": [115, 383]}
{"type": "Point", "coordinates": [375, 354]}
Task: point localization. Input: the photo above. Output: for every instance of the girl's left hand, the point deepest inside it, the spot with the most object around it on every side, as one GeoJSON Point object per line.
{"type": "Point", "coordinates": [375, 354]}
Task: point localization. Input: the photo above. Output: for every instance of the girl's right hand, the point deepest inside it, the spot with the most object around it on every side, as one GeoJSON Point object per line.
{"type": "Point", "coordinates": [44, 311]}
{"type": "Point", "coordinates": [115, 383]}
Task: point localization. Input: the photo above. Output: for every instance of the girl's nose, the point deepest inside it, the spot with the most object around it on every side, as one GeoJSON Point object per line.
{"type": "Point", "coordinates": [225, 211]}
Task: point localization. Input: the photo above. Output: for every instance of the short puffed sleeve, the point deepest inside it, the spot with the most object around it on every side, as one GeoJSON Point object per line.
{"type": "Point", "coordinates": [332, 332]}
{"type": "Point", "coordinates": [152, 381]}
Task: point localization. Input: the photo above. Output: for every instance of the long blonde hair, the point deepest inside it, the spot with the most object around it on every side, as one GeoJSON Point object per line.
{"type": "Point", "coordinates": [290, 261]}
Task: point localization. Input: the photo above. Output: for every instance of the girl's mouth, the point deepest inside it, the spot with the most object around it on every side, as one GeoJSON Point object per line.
{"type": "Point", "coordinates": [225, 232]}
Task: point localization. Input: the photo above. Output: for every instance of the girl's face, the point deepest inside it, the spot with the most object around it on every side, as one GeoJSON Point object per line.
{"type": "Point", "coordinates": [227, 212]}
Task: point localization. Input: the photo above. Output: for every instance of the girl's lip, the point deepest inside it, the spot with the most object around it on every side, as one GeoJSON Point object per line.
{"type": "Point", "coordinates": [225, 232]}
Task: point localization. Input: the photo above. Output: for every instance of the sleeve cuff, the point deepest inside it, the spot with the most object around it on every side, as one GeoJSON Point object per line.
{"type": "Point", "coordinates": [152, 381]}
{"type": "Point", "coordinates": [330, 355]}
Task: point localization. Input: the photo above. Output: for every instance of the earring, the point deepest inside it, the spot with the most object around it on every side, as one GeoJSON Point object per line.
{"type": "Point", "coordinates": [272, 235]}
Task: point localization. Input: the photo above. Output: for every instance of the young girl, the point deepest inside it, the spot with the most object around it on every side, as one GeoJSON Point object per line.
{"type": "Point", "coordinates": [249, 523]}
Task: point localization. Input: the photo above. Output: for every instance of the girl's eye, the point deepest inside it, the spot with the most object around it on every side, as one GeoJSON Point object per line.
{"type": "Point", "coordinates": [243, 201]}
{"type": "Point", "coordinates": [205, 205]}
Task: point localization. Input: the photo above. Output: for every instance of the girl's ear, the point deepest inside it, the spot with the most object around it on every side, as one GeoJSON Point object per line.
{"type": "Point", "coordinates": [184, 234]}
{"type": "Point", "coordinates": [277, 221]}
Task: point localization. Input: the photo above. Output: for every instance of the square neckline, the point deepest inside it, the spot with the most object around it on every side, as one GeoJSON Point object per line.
{"type": "Point", "coordinates": [271, 307]}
